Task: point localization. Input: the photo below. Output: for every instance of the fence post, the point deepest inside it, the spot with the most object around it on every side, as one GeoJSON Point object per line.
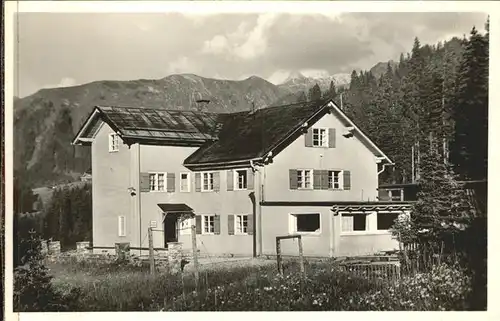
{"type": "Point", "coordinates": [195, 255]}
{"type": "Point", "coordinates": [301, 257]}
{"type": "Point", "coordinates": [151, 251]}
{"type": "Point", "coordinates": [278, 255]}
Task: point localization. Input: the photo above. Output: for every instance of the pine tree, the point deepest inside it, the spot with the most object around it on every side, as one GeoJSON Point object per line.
{"type": "Point", "coordinates": [315, 93]}
{"type": "Point", "coordinates": [469, 151]}
{"type": "Point", "coordinates": [332, 91]}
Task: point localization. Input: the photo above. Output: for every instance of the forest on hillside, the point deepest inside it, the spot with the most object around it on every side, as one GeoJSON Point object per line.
{"type": "Point", "coordinates": [436, 93]}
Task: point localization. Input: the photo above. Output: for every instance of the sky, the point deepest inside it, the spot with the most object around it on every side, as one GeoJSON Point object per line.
{"type": "Point", "coordinates": [66, 49]}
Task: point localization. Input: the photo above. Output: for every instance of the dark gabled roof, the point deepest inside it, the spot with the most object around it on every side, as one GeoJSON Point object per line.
{"type": "Point", "coordinates": [247, 135]}
{"type": "Point", "coordinates": [234, 138]}
{"type": "Point", "coordinates": [153, 124]}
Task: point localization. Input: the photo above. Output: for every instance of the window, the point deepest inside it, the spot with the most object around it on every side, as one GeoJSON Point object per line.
{"type": "Point", "coordinates": [157, 182]}
{"type": "Point", "coordinates": [320, 137]}
{"type": "Point", "coordinates": [354, 222]}
{"type": "Point", "coordinates": [208, 224]}
{"type": "Point", "coordinates": [185, 226]}
{"type": "Point", "coordinates": [241, 179]}
{"type": "Point", "coordinates": [386, 220]}
{"type": "Point", "coordinates": [113, 142]}
{"type": "Point", "coordinates": [241, 222]}
{"type": "Point", "coordinates": [208, 182]}
{"type": "Point", "coordinates": [304, 177]}
{"type": "Point", "coordinates": [121, 226]}
{"type": "Point", "coordinates": [305, 223]}
{"type": "Point", "coordinates": [334, 179]}
{"type": "Point", "coordinates": [394, 194]}
{"type": "Point", "coordinates": [185, 186]}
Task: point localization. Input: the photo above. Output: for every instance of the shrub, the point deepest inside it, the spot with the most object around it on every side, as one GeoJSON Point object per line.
{"type": "Point", "coordinates": [33, 290]}
{"type": "Point", "coordinates": [444, 288]}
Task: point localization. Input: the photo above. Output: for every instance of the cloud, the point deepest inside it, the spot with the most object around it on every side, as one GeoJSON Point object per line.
{"type": "Point", "coordinates": [242, 44]}
{"type": "Point", "coordinates": [65, 82]}
{"type": "Point", "coordinates": [256, 42]}
{"type": "Point", "coordinates": [180, 65]}
{"type": "Point", "coordinates": [217, 45]}
{"type": "Point", "coordinates": [113, 46]}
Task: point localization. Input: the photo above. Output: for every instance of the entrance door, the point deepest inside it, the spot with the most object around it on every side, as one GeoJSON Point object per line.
{"type": "Point", "coordinates": [170, 229]}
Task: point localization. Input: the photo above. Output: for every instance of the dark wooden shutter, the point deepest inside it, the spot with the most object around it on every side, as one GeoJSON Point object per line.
{"type": "Point", "coordinates": [250, 224]}
{"type": "Point", "coordinates": [230, 180]}
{"type": "Point", "coordinates": [347, 180]}
{"type": "Point", "coordinates": [144, 182]}
{"type": "Point", "coordinates": [170, 182]}
{"type": "Point", "coordinates": [230, 224]}
{"type": "Point", "coordinates": [216, 181]}
{"type": "Point", "coordinates": [324, 179]}
{"type": "Point", "coordinates": [197, 182]}
{"type": "Point", "coordinates": [293, 179]}
{"type": "Point", "coordinates": [309, 138]}
{"type": "Point", "coordinates": [317, 179]}
{"type": "Point", "coordinates": [331, 137]}
{"type": "Point", "coordinates": [198, 224]}
{"type": "Point", "coordinates": [250, 179]}
{"type": "Point", "coordinates": [217, 224]}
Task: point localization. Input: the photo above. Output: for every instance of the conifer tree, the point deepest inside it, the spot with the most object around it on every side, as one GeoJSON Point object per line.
{"type": "Point", "coordinates": [315, 93]}
{"type": "Point", "coordinates": [469, 150]}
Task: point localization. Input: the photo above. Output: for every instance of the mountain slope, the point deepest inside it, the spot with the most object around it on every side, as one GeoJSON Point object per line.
{"type": "Point", "coordinates": [46, 122]}
{"type": "Point", "coordinates": [297, 82]}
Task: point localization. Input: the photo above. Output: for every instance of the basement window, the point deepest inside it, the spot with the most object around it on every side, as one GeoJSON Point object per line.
{"type": "Point", "coordinates": [305, 223]}
{"type": "Point", "coordinates": [386, 220]}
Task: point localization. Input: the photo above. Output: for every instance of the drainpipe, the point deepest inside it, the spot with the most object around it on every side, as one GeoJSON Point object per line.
{"type": "Point", "coordinates": [257, 222]}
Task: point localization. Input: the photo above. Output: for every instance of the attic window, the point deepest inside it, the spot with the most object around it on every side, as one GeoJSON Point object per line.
{"type": "Point", "coordinates": [320, 137]}
{"type": "Point", "coordinates": [113, 142]}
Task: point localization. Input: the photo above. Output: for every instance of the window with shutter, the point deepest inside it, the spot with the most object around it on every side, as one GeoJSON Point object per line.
{"type": "Point", "coordinates": [304, 179]}
{"type": "Point", "coordinates": [241, 224]}
{"type": "Point", "coordinates": [354, 222]}
{"type": "Point", "coordinates": [113, 143]}
{"type": "Point", "coordinates": [185, 182]}
{"type": "Point", "coordinates": [241, 179]}
{"type": "Point", "coordinates": [157, 182]}
{"type": "Point", "coordinates": [334, 179]}
{"type": "Point", "coordinates": [208, 222]}
{"type": "Point", "coordinates": [320, 137]}
{"type": "Point", "coordinates": [207, 182]}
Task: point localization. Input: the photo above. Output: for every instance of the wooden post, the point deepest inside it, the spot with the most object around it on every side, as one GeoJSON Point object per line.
{"type": "Point", "coordinates": [195, 255]}
{"type": "Point", "coordinates": [151, 251]}
{"type": "Point", "coordinates": [278, 255]}
{"type": "Point", "coordinates": [301, 257]}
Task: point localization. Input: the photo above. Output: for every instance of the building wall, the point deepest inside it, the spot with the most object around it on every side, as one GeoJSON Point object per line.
{"type": "Point", "coordinates": [169, 159]}
{"type": "Point", "coordinates": [366, 243]}
{"type": "Point", "coordinates": [276, 222]}
{"type": "Point", "coordinates": [110, 197]}
{"type": "Point", "coordinates": [349, 154]}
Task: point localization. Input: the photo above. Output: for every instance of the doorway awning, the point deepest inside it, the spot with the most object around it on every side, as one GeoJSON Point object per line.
{"type": "Point", "coordinates": [170, 208]}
